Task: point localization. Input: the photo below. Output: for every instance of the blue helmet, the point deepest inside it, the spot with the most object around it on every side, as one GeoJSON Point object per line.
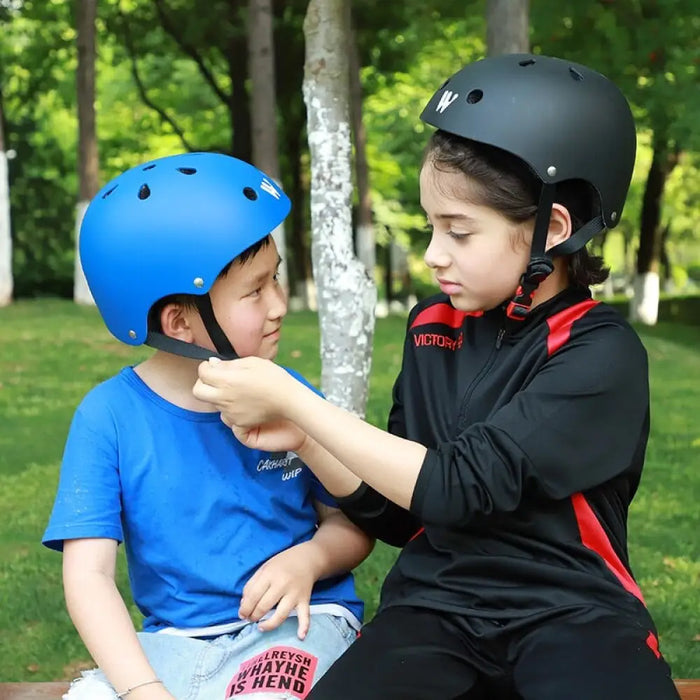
{"type": "Point", "coordinates": [169, 226]}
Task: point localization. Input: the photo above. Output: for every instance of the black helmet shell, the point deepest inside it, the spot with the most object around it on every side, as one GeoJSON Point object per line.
{"type": "Point", "coordinates": [563, 119]}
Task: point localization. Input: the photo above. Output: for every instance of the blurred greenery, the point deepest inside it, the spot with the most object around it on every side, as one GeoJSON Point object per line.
{"type": "Point", "coordinates": [53, 352]}
{"type": "Point", "coordinates": [191, 69]}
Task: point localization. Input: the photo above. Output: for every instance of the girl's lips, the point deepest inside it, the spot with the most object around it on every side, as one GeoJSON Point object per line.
{"type": "Point", "coordinates": [449, 288]}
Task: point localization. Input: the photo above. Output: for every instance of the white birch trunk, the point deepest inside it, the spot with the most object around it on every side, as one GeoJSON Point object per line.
{"type": "Point", "coordinates": [81, 291]}
{"type": "Point", "coordinates": [366, 250]}
{"type": "Point", "coordinates": [644, 305]}
{"type": "Point", "coordinates": [6, 280]}
{"type": "Point", "coordinates": [346, 294]}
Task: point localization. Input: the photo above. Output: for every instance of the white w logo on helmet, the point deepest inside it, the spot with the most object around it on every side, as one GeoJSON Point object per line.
{"type": "Point", "coordinates": [269, 188]}
{"type": "Point", "coordinates": [446, 99]}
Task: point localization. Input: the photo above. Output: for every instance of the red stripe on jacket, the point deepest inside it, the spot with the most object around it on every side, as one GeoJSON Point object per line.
{"type": "Point", "coordinates": [594, 537]}
{"type": "Point", "coordinates": [443, 313]}
{"type": "Point", "coordinates": [560, 324]}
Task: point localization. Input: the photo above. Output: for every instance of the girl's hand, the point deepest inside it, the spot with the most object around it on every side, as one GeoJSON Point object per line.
{"type": "Point", "coordinates": [277, 436]}
{"type": "Point", "coordinates": [248, 392]}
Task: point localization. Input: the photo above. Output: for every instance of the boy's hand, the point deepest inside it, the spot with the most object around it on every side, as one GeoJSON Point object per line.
{"type": "Point", "coordinates": [284, 581]}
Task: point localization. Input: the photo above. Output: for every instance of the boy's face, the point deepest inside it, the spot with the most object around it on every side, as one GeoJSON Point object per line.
{"type": "Point", "coordinates": [476, 254]}
{"type": "Point", "coordinates": [249, 305]}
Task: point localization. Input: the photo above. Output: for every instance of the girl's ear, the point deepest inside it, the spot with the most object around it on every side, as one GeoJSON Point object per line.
{"type": "Point", "coordinates": [175, 322]}
{"type": "Point", "coordinates": [559, 225]}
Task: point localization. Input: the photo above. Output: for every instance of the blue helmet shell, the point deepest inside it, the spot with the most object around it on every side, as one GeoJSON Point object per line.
{"type": "Point", "coordinates": [169, 226]}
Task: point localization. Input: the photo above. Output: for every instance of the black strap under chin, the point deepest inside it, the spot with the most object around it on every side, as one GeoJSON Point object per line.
{"type": "Point", "coordinates": [218, 337]}
{"type": "Point", "coordinates": [160, 341]}
{"type": "Point", "coordinates": [225, 350]}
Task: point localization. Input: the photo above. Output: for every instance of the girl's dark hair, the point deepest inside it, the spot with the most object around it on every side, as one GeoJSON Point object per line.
{"type": "Point", "coordinates": [504, 182]}
{"type": "Point", "coordinates": [189, 300]}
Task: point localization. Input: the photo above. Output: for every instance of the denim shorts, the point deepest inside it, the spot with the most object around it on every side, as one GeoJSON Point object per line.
{"type": "Point", "coordinates": [249, 664]}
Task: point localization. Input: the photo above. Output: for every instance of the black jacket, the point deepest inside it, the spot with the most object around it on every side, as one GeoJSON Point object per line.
{"type": "Point", "coordinates": [536, 436]}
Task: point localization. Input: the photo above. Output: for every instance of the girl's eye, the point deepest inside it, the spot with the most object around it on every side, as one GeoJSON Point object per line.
{"type": "Point", "coordinates": [458, 236]}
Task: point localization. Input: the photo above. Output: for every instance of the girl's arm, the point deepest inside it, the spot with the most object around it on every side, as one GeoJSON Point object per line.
{"type": "Point", "coordinates": [102, 619]}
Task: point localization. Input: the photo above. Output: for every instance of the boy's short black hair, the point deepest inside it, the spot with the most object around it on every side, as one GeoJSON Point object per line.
{"type": "Point", "coordinates": [189, 300]}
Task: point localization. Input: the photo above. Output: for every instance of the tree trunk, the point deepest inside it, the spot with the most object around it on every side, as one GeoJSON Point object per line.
{"type": "Point", "coordinates": [6, 280]}
{"type": "Point", "coordinates": [346, 294]}
{"type": "Point", "coordinates": [87, 133]}
{"type": "Point", "coordinates": [507, 26]}
{"type": "Point", "coordinates": [263, 103]}
{"type": "Point", "coordinates": [239, 102]}
{"type": "Point", "coordinates": [303, 289]}
{"type": "Point", "coordinates": [644, 306]}
{"type": "Point", "coordinates": [364, 233]}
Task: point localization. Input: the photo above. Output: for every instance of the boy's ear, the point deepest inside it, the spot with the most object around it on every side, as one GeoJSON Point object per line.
{"type": "Point", "coordinates": [560, 227]}
{"type": "Point", "coordinates": [175, 322]}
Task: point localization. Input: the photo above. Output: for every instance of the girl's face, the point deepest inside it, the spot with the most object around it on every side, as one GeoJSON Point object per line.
{"type": "Point", "coordinates": [476, 254]}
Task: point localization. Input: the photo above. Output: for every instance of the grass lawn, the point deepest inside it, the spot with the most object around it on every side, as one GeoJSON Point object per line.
{"type": "Point", "coordinates": [52, 352]}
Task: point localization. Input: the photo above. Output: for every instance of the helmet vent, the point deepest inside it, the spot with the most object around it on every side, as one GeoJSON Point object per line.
{"type": "Point", "coordinates": [250, 193]}
{"type": "Point", "coordinates": [187, 171]}
{"type": "Point", "coordinates": [475, 96]}
{"type": "Point", "coordinates": [109, 191]}
{"type": "Point", "coordinates": [150, 167]}
{"type": "Point", "coordinates": [575, 74]}
{"type": "Point", "coordinates": [527, 62]}
{"type": "Point", "coordinates": [144, 192]}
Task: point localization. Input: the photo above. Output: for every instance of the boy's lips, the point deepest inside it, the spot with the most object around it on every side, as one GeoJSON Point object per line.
{"type": "Point", "coordinates": [273, 334]}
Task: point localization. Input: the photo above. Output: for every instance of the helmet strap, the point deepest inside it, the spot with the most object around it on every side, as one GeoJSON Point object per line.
{"type": "Point", "coordinates": [218, 337]}
{"type": "Point", "coordinates": [577, 240]}
{"type": "Point", "coordinates": [540, 265]}
{"type": "Point", "coordinates": [225, 350]}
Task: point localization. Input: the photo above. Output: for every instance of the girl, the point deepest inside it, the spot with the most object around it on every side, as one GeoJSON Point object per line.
{"type": "Point", "coordinates": [520, 417]}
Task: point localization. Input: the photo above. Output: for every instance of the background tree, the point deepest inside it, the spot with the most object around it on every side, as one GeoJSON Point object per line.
{"type": "Point", "coordinates": [88, 164]}
{"type": "Point", "coordinates": [5, 230]}
{"type": "Point", "coordinates": [507, 26]}
{"type": "Point", "coordinates": [346, 294]}
{"type": "Point", "coordinates": [263, 104]}
{"type": "Point", "coordinates": [650, 50]}
{"type": "Point", "coordinates": [364, 230]}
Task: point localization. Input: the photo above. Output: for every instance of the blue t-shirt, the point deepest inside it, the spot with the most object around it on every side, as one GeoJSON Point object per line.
{"type": "Point", "coordinates": [198, 512]}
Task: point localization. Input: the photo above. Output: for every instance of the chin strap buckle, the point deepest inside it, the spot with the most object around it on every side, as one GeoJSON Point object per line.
{"type": "Point", "coordinates": [538, 269]}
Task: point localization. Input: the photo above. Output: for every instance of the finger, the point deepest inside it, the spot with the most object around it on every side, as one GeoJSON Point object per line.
{"type": "Point", "coordinates": [253, 591]}
{"type": "Point", "coordinates": [226, 420]}
{"type": "Point", "coordinates": [284, 607]}
{"type": "Point", "coordinates": [304, 617]}
{"type": "Point", "coordinates": [204, 391]}
{"type": "Point", "coordinates": [269, 600]}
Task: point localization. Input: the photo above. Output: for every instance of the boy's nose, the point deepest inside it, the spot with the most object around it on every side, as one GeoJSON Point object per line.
{"type": "Point", "coordinates": [278, 304]}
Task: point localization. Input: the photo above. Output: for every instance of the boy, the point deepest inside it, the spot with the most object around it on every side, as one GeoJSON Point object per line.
{"type": "Point", "coordinates": [178, 255]}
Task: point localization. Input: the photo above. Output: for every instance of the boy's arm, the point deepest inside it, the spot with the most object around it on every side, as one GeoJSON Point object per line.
{"type": "Point", "coordinates": [339, 544]}
{"type": "Point", "coordinates": [102, 619]}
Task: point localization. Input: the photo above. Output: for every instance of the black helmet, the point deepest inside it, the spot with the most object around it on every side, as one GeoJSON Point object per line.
{"type": "Point", "coordinates": [564, 120]}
